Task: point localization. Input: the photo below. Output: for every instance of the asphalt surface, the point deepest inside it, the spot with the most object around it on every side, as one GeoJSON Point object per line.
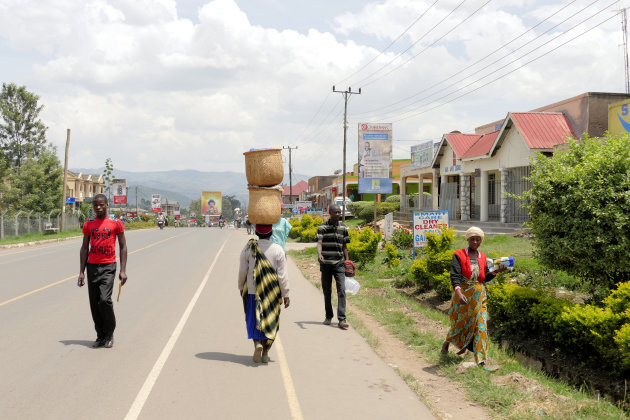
{"type": "Point", "coordinates": [181, 350]}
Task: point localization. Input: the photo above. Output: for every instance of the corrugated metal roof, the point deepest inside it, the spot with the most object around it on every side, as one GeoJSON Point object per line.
{"type": "Point", "coordinates": [461, 142]}
{"type": "Point", "coordinates": [297, 188]}
{"type": "Point", "coordinates": [482, 146]}
{"type": "Point", "coordinates": [542, 130]}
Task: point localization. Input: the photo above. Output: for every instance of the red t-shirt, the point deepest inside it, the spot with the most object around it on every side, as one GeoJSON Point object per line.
{"type": "Point", "coordinates": [102, 239]}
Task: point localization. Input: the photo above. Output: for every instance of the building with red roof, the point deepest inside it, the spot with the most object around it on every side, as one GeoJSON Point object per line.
{"type": "Point", "coordinates": [477, 173]}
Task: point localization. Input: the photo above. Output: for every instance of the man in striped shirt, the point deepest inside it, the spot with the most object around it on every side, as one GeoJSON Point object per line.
{"type": "Point", "coordinates": [332, 237]}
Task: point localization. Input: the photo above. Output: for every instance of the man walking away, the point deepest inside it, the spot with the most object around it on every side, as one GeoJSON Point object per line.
{"type": "Point", "coordinates": [332, 237]}
{"type": "Point", "coordinates": [100, 234]}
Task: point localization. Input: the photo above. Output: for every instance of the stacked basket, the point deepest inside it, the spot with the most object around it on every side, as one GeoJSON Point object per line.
{"type": "Point", "coordinates": [264, 171]}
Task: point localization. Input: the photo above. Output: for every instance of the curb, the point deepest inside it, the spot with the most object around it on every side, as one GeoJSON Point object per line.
{"type": "Point", "coordinates": [45, 241]}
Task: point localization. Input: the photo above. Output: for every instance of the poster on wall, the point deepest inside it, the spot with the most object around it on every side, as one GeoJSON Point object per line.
{"type": "Point", "coordinates": [156, 203]}
{"type": "Point", "coordinates": [428, 221]}
{"type": "Point", "coordinates": [119, 188]}
{"type": "Point", "coordinates": [211, 203]}
{"type": "Point", "coordinates": [619, 117]}
{"type": "Point", "coordinates": [422, 155]}
{"type": "Point", "coordinates": [375, 158]}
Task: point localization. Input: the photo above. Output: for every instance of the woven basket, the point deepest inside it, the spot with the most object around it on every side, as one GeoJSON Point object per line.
{"type": "Point", "coordinates": [264, 167]}
{"type": "Point", "coordinates": [264, 205]}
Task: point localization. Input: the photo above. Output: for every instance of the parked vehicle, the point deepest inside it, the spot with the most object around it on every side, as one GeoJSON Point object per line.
{"type": "Point", "coordinates": [338, 201]}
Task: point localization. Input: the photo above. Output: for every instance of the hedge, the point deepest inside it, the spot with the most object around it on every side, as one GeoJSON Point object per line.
{"type": "Point", "coordinates": [598, 335]}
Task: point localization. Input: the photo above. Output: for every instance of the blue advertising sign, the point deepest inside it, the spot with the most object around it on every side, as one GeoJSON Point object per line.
{"type": "Point", "coordinates": [375, 185]}
{"type": "Point", "coordinates": [70, 200]}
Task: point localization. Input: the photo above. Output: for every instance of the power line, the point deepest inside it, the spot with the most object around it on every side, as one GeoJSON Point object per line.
{"type": "Point", "coordinates": [426, 48]}
{"type": "Point", "coordinates": [505, 65]}
{"type": "Point", "coordinates": [391, 43]}
{"type": "Point", "coordinates": [502, 76]}
{"type": "Point", "coordinates": [478, 61]}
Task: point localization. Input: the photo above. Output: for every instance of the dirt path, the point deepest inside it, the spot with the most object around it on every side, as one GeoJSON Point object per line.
{"type": "Point", "coordinates": [443, 396]}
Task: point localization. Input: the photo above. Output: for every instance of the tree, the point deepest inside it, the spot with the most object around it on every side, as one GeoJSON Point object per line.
{"type": "Point", "coordinates": [108, 176]}
{"type": "Point", "coordinates": [22, 133]}
{"type": "Point", "coordinates": [195, 207]}
{"type": "Point", "coordinates": [229, 203]}
{"type": "Point", "coordinates": [579, 205]}
{"type": "Point", "coordinates": [38, 185]}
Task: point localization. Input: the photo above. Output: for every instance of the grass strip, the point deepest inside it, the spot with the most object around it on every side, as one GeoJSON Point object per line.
{"type": "Point", "coordinates": [544, 398]}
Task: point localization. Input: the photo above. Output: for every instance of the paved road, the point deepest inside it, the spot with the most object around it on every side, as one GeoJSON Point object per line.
{"type": "Point", "coordinates": [180, 346]}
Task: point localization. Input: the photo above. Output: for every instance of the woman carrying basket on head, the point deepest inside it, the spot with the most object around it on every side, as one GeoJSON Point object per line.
{"type": "Point", "coordinates": [263, 284]}
{"type": "Point", "coordinates": [468, 314]}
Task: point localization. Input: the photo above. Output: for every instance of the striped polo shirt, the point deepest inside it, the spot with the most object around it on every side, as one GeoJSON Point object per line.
{"type": "Point", "coordinates": [333, 239]}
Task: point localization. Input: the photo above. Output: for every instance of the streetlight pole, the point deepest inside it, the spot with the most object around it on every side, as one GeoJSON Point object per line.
{"type": "Point", "coordinates": [345, 93]}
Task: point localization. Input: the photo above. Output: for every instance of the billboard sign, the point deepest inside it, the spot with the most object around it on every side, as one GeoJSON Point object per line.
{"type": "Point", "coordinates": [422, 155]}
{"type": "Point", "coordinates": [428, 221]}
{"type": "Point", "coordinates": [211, 203]}
{"type": "Point", "coordinates": [119, 188]}
{"type": "Point", "coordinates": [177, 214]}
{"type": "Point", "coordinates": [619, 117]}
{"type": "Point", "coordinates": [375, 158]}
{"type": "Point", "coordinates": [156, 203]}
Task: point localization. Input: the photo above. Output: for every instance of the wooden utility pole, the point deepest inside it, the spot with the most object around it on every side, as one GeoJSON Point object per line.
{"type": "Point", "coordinates": [624, 27]}
{"type": "Point", "coordinates": [345, 130]}
{"type": "Point", "coordinates": [65, 178]}
{"type": "Point", "coordinates": [289, 148]}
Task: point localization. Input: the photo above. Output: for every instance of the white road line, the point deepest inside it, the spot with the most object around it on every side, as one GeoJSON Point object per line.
{"type": "Point", "coordinates": [294, 404]}
{"type": "Point", "coordinates": [144, 392]}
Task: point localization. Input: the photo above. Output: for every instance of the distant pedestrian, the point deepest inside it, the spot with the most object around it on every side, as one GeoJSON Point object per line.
{"type": "Point", "coordinates": [100, 260]}
{"type": "Point", "coordinates": [332, 252]}
{"type": "Point", "coordinates": [281, 231]}
{"type": "Point", "coordinates": [263, 284]}
{"type": "Point", "coordinates": [248, 225]}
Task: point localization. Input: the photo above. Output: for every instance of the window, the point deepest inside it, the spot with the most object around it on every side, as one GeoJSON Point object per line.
{"type": "Point", "coordinates": [492, 199]}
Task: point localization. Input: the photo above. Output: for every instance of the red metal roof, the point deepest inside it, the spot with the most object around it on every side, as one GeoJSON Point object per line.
{"type": "Point", "coordinates": [542, 130]}
{"type": "Point", "coordinates": [297, 188]}
{"type": "Point", "coordinates": [482, 146]}
{"type": "Point", "coordinates": [461, 142]}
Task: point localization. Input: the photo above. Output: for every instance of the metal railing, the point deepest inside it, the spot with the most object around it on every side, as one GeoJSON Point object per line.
{"type": "Point", "coordinates": [22, 223]}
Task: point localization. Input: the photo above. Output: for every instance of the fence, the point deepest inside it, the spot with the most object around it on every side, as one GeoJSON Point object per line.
{"type": "Point", "coordinates": [516, 182]}
{"type": "Point", "coordinates": [22, 223]}
{"type": "Point", "coordinates": [416, 202]}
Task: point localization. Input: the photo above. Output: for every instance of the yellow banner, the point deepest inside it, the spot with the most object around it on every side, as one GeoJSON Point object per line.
{"type": "Point", "coordinates": [619, 117]}
{"type": "Point", "coordinates": [211, 203]}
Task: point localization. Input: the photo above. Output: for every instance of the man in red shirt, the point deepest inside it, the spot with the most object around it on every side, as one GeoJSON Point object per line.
{"type": "Point", "coordinates": [100, 235]}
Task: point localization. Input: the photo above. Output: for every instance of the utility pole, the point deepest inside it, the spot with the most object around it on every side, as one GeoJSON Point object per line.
{"type": "Point", "coordinates": [624, 26]}
{"type": "Point", "coordinates": [346, 93]}
{"type": "Point", "coordinates": [65, 178]}
{"type": "Point", "coordinates": [289, 148]}
{"type": "Point", "coordinates": [137, 212]}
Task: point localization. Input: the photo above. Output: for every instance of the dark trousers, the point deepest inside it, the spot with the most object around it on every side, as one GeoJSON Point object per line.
{"type": "Point", "coordinates": [337, 271]}
{"type": "Point", "coordinates": [100, 284]}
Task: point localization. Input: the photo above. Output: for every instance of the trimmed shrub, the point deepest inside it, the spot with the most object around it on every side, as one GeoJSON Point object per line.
{"type": "Point", "coordinates": [394, 198]}
{"type": "Point", "coordinates": [441, 283]}
{"type": "Point", "coordinates": [392, 256]}
{"type": "Point", "coordinates": [420, 275]}
{"type": "Point", "coordinates": [363, 245]}
{"type": "Point", "coordinates": [308, 234]}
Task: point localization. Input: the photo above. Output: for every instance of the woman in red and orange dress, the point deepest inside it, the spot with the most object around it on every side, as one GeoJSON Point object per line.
{"type": "Point", "coordinates": [468, 314]}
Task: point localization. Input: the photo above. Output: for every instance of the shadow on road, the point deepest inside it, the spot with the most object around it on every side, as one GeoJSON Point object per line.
{"type": "Point", "coordinates": [84, 343]}
{"type": "Point", "coordinates": [227, 357]}
{"type": "Point", "coordinates": [302, 324]}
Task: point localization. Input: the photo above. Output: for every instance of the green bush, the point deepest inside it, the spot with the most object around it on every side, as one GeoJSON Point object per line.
{"type": "Point", "coordinates": [308, 234]}
{"type": "Point", "coordinates": [402, 238]}
{"type": "Point", "coordinates": [580, 210]}
{"type": "Point", "coordinates": [598, 335]}
{"type": "Point", "coordinates": [363, 245]}
{"type": "Point", "coordinates": [296, 232]}
{"type": "Point", "coordinates": [307, 221]}
{"type": "Point", "coordinates": [420, 275]}
{"type": "Point", "coordinates": [441, 283]}
{"type": "Point", "coordinates": [392, 256]}
{"type": "Point", "coordinates": [394, 198]}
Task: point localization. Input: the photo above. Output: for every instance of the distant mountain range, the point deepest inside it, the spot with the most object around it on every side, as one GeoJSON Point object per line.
{"type": "Point", "coordinates": [186, 185]}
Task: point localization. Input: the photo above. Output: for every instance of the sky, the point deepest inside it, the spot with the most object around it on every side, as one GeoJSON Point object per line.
{"type": "Point", "coordinates": [161, 85]}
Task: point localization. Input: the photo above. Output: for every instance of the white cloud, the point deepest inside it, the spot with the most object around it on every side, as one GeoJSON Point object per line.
{"type": "Point", "coordinates": [152, 90]}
